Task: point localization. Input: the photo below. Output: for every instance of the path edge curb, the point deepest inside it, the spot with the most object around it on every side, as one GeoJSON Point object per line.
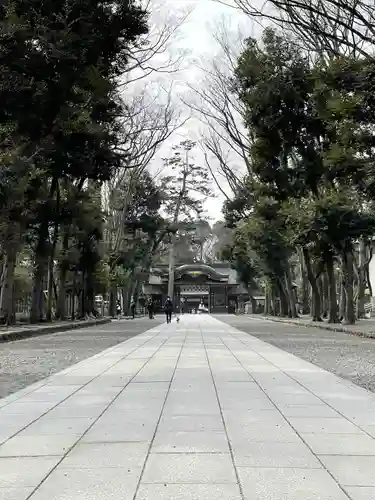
{"type": "Point", "coordinates": [341, 329]}
{"type": "Point", "coordinates": [18, 334]}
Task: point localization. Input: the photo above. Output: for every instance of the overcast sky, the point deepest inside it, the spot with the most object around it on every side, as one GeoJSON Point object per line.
{"type": "Point", "coordinates": [196, 36]}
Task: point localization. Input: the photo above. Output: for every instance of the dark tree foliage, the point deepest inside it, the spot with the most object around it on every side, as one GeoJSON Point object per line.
{"type": "Point", "coordinates": [60, 65]}
{"type": "Point", "coordinates": [312, 155]}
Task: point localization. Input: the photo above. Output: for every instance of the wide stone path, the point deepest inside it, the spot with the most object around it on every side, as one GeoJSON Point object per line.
{"type": "Point", "coordinates": [190, 411]}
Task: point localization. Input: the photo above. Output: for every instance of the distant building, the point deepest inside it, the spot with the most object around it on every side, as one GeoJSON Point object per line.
{"type": "Point", "coordinates": [215, 285]}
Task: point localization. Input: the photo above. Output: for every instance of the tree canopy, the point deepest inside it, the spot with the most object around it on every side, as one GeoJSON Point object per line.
{"type": "Point", "coordinates": [66, 132]}
{"type": "Point", "coordinates": [311, 195]}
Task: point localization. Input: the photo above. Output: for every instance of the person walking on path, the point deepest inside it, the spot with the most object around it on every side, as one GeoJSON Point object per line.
{"type": "Point", "coordinates": [150, 307]}
{"type": "Point", "coordinates": [168, 309]}
{"type": "Point", "coordinates": [132, 308]}
{"type": "Point", "coordinates": [118, 308]}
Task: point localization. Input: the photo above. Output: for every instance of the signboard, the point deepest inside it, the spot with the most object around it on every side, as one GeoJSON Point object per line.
{"type": "Point", "coordinates": [194, 274]}
{"type": "Point", "coordinates": [194, 290]}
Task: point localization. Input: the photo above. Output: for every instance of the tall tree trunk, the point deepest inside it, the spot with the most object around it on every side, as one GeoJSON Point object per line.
{"type": "Point", "coordinates": [37, 302]}
{"type": "Point", "coordinates": [368, 281]}
{"type": "Point", "coordinates": [55, 291]}
{"type": "Point", "coordinates": [171, 266]}
{"type": "Point", "coordinates": [316, 313]}
{"type": "Point", "coordinates": [63, 271]}
{"type": "Point", "coordinates": [348, 269]}
{"type": "Point", "coordinates": [133, 286]}
{"type": "Point", "coordinates": [325, 295]}
{"type": "Point", "coordinates": [275, 308]}
{"type": "Point", "coordinates": [136, 289]}
{"type": "Point", "coordinates": [128, 292]}
{"type": "Point", "coordinates": [342, 297]}
{"type": "Point", "coordinates": [124, 293]}
{"type": "Point", "coordinates": [40, 267]}
{"type": "Point", "coordinates": [41, 262]}
{"type": "Point", "coordinates": [61, 307]}
{"type": "Point", "coordinates": [7, 287]}
{"type": "Point", "coordinates": [51, 259]}
{"type": "Point", "coordinates": [284, 302]}
{"type": "Point", "coordinates": [305, 285]}
{"type": "Point", "coordinates": [50, 288]}
{"type": "Point", "coordinates": [88, 292]}
{"type": "Point", "coordinates": [113, 300]}
{"type": "Point", "coordinates": [61, 300]}
{"type": "Point", "coordinates": [267, 301]}
{"type": "Point", "coordinates": [333, 309]}
{"type": "Point", "coordinates": [51, 264]}
{"type": "Point", "coordinates": [362, 279]}
{"type": "Point", "coordinates": [74, 293]}
{"type": "Point", "coordinates": [292, 306]}
{"type": "Point", "coordinates": [81, 296]}
{"type": "Point", "coordinates": [174, 235]}
{"type": "Point", "coordinates": [72, 306]}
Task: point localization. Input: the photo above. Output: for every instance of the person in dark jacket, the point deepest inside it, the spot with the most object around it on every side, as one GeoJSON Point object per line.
{"type": "Point", "coordinates": [132, 308]}
{"type": "Point", "coordinates": [168, 309]}
{"type": "Point", "coordinates": [118, 308]}
{"type": "Point", "coordinates": [150, 307]}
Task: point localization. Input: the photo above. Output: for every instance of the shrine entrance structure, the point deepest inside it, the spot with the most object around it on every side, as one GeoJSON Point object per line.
{"type": "Point", "coordinates": [216, 286]}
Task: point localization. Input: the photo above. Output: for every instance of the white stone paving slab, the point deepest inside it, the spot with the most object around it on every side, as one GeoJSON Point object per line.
{"type": "Point", "coordinates": [42, 445]}
{"type": "Point", "coordinates": [88, 484]}
{"type": "Point", "coordinates": [275, 454]}
{"type": "Point", "coordinates": [190, 442]}
{"type": "Point", "coordinates": [131, 456]}
{"type": "Point", "coordinates": [262, 432]}
{"type": "Point", "coordinates": [190, 411]}
{"type": "Point", "coordinates": [191, 423]}
{"type": "Point", "coordinates": [340, 444]}
{"type": "Point", "coordinates": [351, 470]}
{"type": "Point", "coordinates": [324, 425]}
{"type": "Point", "coordinates": [289, 484]}
{"type": "Point", "coordinates": [15, 493]}
{"type": "Point", "coordinates": [361, 493]}
{"type": "Point", "coordinates": [317, 411]}
{"type": "Point", "coordinates": [54, 426]}
{"type": "Point", "coordinates": [189, 492]}
{"type": "Point", "coordinates": [25, 472]}
{"type": "Point", "coordinates": [189, 468]}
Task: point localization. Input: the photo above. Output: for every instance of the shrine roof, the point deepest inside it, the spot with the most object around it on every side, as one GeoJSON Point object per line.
{"type": "Point", "coordinates": [204, 269]}
{"type": "Point", "coordinates": [220, 271]}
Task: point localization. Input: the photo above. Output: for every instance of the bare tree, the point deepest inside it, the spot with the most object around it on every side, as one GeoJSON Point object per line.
{"type": "Point", "coordinates": [185, 192]}
{"type": "Point", "coordinates": [156, 51]}
{"type": "Point", "coordinates": [212, 145]}
{"type": "Point", "coordinates": [149, 114]}
{"type": "Point", "coordinates": [148, 121]}
{"type": "Point", "coordinates": [215, 102]}
{"type": "Point", "coordinates": [327, 26]}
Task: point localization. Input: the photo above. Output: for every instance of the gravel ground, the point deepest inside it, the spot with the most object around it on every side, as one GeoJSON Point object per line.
{"type": "Point", "coordinates": [345, 355]}
{"type": "Point", "coordinates": [24, 362]}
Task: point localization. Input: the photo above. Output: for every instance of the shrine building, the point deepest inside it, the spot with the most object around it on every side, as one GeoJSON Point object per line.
{"type": "Point", "coordinates": [215, 285]}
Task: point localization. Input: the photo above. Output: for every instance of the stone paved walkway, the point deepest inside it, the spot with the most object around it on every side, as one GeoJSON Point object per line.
{"type": "Point", "coordinates": [190, 411]}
